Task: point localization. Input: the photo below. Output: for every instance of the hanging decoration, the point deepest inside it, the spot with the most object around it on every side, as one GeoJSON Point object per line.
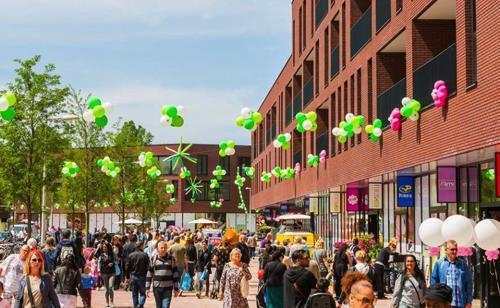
{"type": "Point", "coordinates": [490, 174]}
{"type": "Point", "coordinates": [306, 121]}
{"type": "Point", "coordinates": [146, 159]}
{"type": "Point", "coordinates": [410, 108]}
{"type": "Point", "coordinates": [97, 112]}
{"type": "Point", "coordinates": [276, 172]}
{"type": "Point", "coordinates": [226, 148]}
{"type": "Point", "coordinates": [249, 119]}
{"type": "Point", "coordinates": [492, 255]}
{"type": "Point", "coordinates": [172, 115]}
{"type": "Point", "coordinates": [108, 167]}
{"type": "Point", "coordinates": [219, 172]}
{"type": "Point", "coordinates": [70, 169]}
{"type": "Point", "coordinates": [434, 251]}
{"type": "Point", "coordinates": [153, 172]}
{"type": "Point", "coordinates": [439, 93]}
{"type": "Point", "coordinates": [214, 184]}
{"type": "Point", "coordinates": [395, 119]}
{"type": "Point", "coordinates": [249, 172]}
{"type": "Point", "coordinates": [7, 102]}
{"type": "Point", "coordinates": [312, 160]}
{"type": "Point", "coordinates": [287, 173]}
{"type": "Point", "coordinates": [374, 131]}
{"type": "Point", "coordinates": [348, 128]}
{"type": "Point", "coordinates": [216, 204]}
{"type": "Point", "coordinates": [185, 173]}
{"type": "Point", "coordinates": [240, 182]}
{"type": "Point", "coordinates": [298, 168]}
{"type": "Point", "coordinates": [178, 157]}
{"type": "Point", "coordinates": [170, 188]}
{"type": "Point", "coordinates": [283, 141]}
{"type": "Point", "coordinates": [265, 177]}
{"type": "Point", "coordinates": [193, 188]}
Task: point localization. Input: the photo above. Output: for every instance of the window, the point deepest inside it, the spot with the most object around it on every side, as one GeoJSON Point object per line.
{"type": "Point", "coordinates": [225, 163]}
{"type": "Point", "coordinates": [370, 92]}
{"type": "Point", "coordinates": [244, 162]}
{"type": "Point", "coordinates": [202, 165]}
{"type": "Point", "coordinates": [223, 192]}
{"type": "Point", "coordinates": [166, 167]}
{"type": "Point", "coordinates": [358, 95]}
{"type": "Point", "coordinates": [176, 190]}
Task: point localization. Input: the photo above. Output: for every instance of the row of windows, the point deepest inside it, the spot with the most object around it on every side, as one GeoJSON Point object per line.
{"type": "Point", "coordinates": [202, 167]}
{"type": "Point", "coordinates": [208, 194]}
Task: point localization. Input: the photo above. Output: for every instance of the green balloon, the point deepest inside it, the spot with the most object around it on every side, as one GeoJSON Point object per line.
{"type": "Point", "coordinates": [377, 123]}
{"type": "Point", "coordinates": [300, 129]}
{"type": "Point", "coordinates": [102, 121]}
{"type": "Point", "coordinates": [239, 121]}
{"type": "Point", "coordinates": [8, 114]}
{"type": "Point", "coordinates": [164, 109]}
{"type": "Point", "coordinates": [98, 111]}
{"type": "Point", "coordinates": [415, 105]}
{"type": "Point", "coordinates": [281, 138]}
{"type": "Point", "coordinates": [406, 111]}
{"type": "Point", "coordinates": [177, 121]}
{"type": "Point", "coordinates": [100, 162]}
{"type": "Point", "coordinates": [355, 122]}
{"type": "Point", "coordinates": [374, 138]}
{"type": "Point", "coordinates": [361, 120]}
{"type": "Point", "coordinates": [369, 129]}
{"type": "Point", "coordinates": [222, 153]}
{"type": "Point", "coordinates": [223, 145]}
{"type": "Point", "coordinates": [93, 101]}
{"type": "Point", "coordinates": [350, 133]}
{"type": "Point", "coordinates": [342, 139]}
{"type": "Point", "coordinates": [11, 98]}
{"type": "Point", "coordinates": [172, 111]}
{"type": "Point", "coordinates": [248, 124]}
{"type": "Point", "coordinates": [286, 146]}
{"type": "Point", "coordinates": [314, 127]}
{"type": "Point", "coordinates": [300, 117]}
{"type": "Point", "coordinates": [256, 117]}
{"type": "Point", "coordinates": [348, 127]}
{"type": "Point", "coordinates": [231, 143]}
{"type": "Point", "coordinates": [311, 116]}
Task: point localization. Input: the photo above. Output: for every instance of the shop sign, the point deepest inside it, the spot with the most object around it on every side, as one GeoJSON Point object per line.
{"type": "Point", "coordinates": [352, 198]}
{"type": "Point", "coordinates": [406, 191]}
{"type": "Point", "coordinates": [447, 184]}
{"type": "Point", "coordinates": [375, 196]}
{"type": "Point", "coordinates": [335, 200]}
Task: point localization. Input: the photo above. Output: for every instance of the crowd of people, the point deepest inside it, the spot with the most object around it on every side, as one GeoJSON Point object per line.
{"type": "Point", "coordinates": [173, 262]}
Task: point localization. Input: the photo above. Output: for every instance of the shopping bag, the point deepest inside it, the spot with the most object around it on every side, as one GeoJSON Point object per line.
{"type": "Point", "coordinates": [244, 287]}
{"type": "Point", "coordinates": [186, 281]}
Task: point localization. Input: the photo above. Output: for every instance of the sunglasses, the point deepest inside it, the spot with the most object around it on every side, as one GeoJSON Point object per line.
{"type": "Point", "coordinates": [452, 249]}
{"type": "Point", "coordinates": [36, 260]}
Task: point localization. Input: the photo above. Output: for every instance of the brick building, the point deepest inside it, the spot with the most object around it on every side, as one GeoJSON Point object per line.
{"type": "Point", "coordinates": [363, 57]}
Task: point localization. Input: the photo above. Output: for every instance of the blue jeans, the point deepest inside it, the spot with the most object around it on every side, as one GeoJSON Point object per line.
{"type": "Point", "coordinates": [138, 286]}
{"type": "Point", "coordinates": [163, 297]}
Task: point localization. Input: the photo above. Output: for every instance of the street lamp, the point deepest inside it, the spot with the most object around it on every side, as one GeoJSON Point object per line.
{"type": "Point", "coordinates": [250, 210]}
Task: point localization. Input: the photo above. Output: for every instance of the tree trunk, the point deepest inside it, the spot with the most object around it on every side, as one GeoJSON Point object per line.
{"type": "Point", "coordinates": [28, 206]}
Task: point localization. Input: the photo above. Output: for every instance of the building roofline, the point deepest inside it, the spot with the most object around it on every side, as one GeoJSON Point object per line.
{"type": "Point", "coordinates": [275, 81]}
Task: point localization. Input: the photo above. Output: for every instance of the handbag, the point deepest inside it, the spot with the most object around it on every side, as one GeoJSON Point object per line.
{"type": "Point", "coordinates": [244, 287]}
{"type": "Point", "coordinates": [422, 305]}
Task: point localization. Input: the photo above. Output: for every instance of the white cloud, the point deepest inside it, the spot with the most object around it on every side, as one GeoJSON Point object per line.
{"type": "Point", "coordinates": [210, 114]}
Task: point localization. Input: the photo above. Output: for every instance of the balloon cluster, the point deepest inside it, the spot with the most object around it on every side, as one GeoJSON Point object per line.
{"type": "Point", "coordinates": [70, 169]}
{"type": "Point", "coordinates": [219, 172]}
{"type": "Point", "coordinates": [239, 181]}
{"type": "Point", "coordinates": [265, 177]}
{"type": "Point", "coordinates": [172, 115]}
{"type": "Point", "coordinates": [185, 173]}
{"type": "Point", "coordinates": [374, 131]}
{"type": "Point", "coordinates": [170, 188]}
{"type": "Point", "coordinates": [306, 121]}
{"type": "Point", "coordinates": [216, 204]}
{"type": "Point", "coordinates": [490, 174]}
{"type": "Point", "coordinates": [352, 125]}
{"type": "Point", "coordinates": [108, 167]}
{"type": "Point", "coordinates": [287, 173]}
{"type": "Point", "coordinates": [249, 171]}
{"type": "Point", "coordinates": [312, 160]}
{"type": "Point", "coordinates": [214, 184]}
{"type": "Point", "coordinates": [249, 119]}
{"type": "Point", "coordinates": [395, 119]}
{"type": "Point", "coordinates": [276, 172]}
{"type": "Point", "coordinates": [410, 108]}
{"type": "Point", "coordinates": [283, 141]}
{"type": "Point", "coordinates": [97, 111]}
{"type": "Point", "coordinates": [439, 93]}
{"type": "Point", "coordinates": [226, 148]}
{"type": "Point", "coordinates": [7, 102]}
{"type": "Point", "coordinates": [153, 172]}
{"type": "Point", "coordinates": [146, 159]}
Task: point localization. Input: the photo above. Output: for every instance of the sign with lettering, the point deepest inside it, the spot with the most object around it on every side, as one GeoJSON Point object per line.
{"type": "Point", "coordinates": [375, 196]}
{"type": "Point", "coordinates": [335, 200]}
{"type": "Point", "coordinates": [406, 191]}
{"type": "Point", "coordinates": [446, 184]}
{"type": "Point", "coordinates": [353, 199]}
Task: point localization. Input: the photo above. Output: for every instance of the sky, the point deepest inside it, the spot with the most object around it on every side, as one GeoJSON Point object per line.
{"type": "Point", "coordinates": [214, 57]}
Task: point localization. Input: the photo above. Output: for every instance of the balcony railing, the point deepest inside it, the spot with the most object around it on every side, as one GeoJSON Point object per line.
{"type": "Point", "coordinates": [273, 130]}
{"type": "Point", "coordinates": [268, 135]}
{"type": "Point", "coordinates": [322, 142]}
{"type": "Point", "coordinates": [297, 157]}
{"type": "Point", "coordinates": [321, 11]}
{"type": "Point", "coordinates": [361, 32]}
{"type": "Point", "coordinates": [308, 92]}
{"type": "Point", "coordinates": [288, 113]}
{"type": "Point", "coordinates": [334, 70]}
{"type": "Point", "coordinates": [390, 99]}
{"type": "Point", "coordinates": [383, 12]}
{"type": "Point", "coordinates": [297, 103]}
{"type": "Point", "coordinates": [441, 67]}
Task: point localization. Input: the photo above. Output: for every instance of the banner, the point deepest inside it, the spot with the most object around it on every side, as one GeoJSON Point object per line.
{"type": "Point", "coordinates": [473, 184]}
{"type": "Point", "coordinates": [447, 184]}
{"type": "Point", "coordinates": [406, 191]}
{"type": "Point", "coordinates": [335, 200]}
{"type": "Point", "coordinates": [352, 198]}
{"type": "Point", "coordinates": [375, 196]}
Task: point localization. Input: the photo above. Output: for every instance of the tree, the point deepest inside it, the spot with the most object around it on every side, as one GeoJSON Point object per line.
{"type": "Point", "coordinates": [35, 137]}
{"type": "Point", "coordinates": [155, 199]}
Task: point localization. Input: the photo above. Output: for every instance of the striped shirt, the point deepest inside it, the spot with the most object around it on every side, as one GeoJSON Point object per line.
{"type": "Point", "coordinates": [162, 273]}
{"type": "Point", "coordinates": [452, 280]}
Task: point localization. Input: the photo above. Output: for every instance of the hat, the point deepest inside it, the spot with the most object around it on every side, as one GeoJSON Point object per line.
{"type": "Point", "coordinates": [439, 293]}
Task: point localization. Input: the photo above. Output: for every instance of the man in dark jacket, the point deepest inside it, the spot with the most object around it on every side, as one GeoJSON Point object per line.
{"type": "Point", "coordinates": [65, 247]}
{"type": "Point", "coordinates": [242, 246]}
{"type": "Point", "coordinates": [136, 269]}
{"type": "Point", "coordinates": [298, 281]}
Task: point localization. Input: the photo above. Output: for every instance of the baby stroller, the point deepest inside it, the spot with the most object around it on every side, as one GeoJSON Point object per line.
{"type": "Point", "coordinates": [215, 287]}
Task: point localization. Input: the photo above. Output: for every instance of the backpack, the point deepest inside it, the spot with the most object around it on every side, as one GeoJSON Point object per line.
{"type": "Point", "coordinates": [65, 252]}
{"type": "Point", "coordinates": [320, 300]}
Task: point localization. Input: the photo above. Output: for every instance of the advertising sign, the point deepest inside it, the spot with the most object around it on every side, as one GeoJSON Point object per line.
{"type": "Point", "coordinates": [473, 184]}
{"type": "Point", "coordinates": [353, 199]}
{"type": "Point", "coordinates": [335, 200]}
{"type": "Point", "coordinates": [375, 196]}
{"type": "Point", "coordinates": [446, 184]}
{"type": "Point", "coordinates": [406, 191]}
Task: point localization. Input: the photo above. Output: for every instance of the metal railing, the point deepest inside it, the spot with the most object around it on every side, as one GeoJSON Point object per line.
{"type": "Point", "coordinates": [390, 99]}
{"type": "Point", "coordinates": [334, 69]}
{"type": "Point", "coordinates": [297, 157]}
{"type": "Point", "coordinates": [288, 113]}
{"type": "Point", "coordinates": [322, 142]}
{"type": "Point", "coordinates": [308, 91]}
{"type": "Point", "coordinates": [321, 11]}
{"type": "Point", "coordinates": [297, 103]}
{"type": "Point", "coordinates": [361, 32]}
{"type": "Point", "coordinates": [441, 67]}
{"type": "Point", "coordinates": [383, 13]}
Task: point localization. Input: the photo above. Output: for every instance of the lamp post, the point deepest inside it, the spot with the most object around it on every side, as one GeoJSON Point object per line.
{"type": "Point", "coordinates": [249, 209]}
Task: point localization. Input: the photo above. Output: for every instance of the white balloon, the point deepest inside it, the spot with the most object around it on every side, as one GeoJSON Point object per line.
{"type": "Point", "coordinates": [377, 132]}
{"type": "Point", "coordinates": [405, 101]}
{"type": "Point", "coordinates": [488, 234]}
{"type": "Point", "coordinates": [307, 125]}
{"type": "Point", "coordinates": [223, 172]}
{"type": "Point", "coordinates": [65, 170]}
{"type": "Point", "coordinates": [288, 136]}
{"type": "Point", "coordinates": [180, 110]}
{"type": "Point", "coordinates": [349, 117]}
{"type": "Point", "coordinates": [108, 107]}
{"type": "Point", "coordinates": [230, 151]}
{"type": "Point", "coordinates": [336, 131]}
{"type": "Point", "coordinates": [358, 130]}
{"type": "Point", "coordinates": [276, 143]}
{"type": "Point", "coordinates": [142, 163]}
{"type": "Point", "coordinates": [309, 156]}
{"type": "Point", "coordinates": [430, 232]}
{"type": "Point", "coordinates": [246, 112]}
{"type": "Point", "coordinates": [165, 121]}
{"type": "Point", "coordinates": [458, 228]}
{"type": "Point", "coordinates": [88, 116]}
{"type": "Point", "coordinates": [158, 172]}
{"type": "Point", "coordinates": [214, 172]}
{"type": "Point", "coordinates": [343, 132]}
{"type": "Point", "coordinates": [4, 104]}
{"type": "Point", "coordinates": [414, 116]}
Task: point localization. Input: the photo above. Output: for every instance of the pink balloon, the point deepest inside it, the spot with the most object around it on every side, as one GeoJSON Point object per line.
{"type": "Point", "coordinates": [439, 83]}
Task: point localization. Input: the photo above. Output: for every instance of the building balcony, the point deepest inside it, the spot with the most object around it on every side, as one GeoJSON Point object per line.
{"type": "Point", "coordinates": [322, 142]}
{"type": "Point", "coordinates": [441, 67]}
{"type": "Point", "coordinates": [321, 11]}
{"type": "Point", "coordinates": [390, 99]}
{"type": "Point", "coordinates": [288, 114]}
{"type": "Point", "coordinates": [308, 91]}
{"type": "Point", "coordinates": [361, 32]}
{"type": "Point", "coordinates": [383, 13]}
{"type": "Point", "coordinates": [334, 69]}
{"type": "Point", "coordinates": [297, 157]}
{"type": "Point", "coordinates": [297, 103]}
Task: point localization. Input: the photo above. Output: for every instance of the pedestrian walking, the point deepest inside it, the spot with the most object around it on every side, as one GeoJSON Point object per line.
{"type": "Point", "coordinates": [382, 264]}
{"type": "Point", "coordinates": [252, 244]}
{"type": "Point", "coordinates": [4, 303]}
{"type": "Point", "coordinates": [410, 286]}
{"type": "Point", "coordinates": [453, 272]}
{"type": "Point", "coordinates": [322, 297]}
{"type": "Point", "coordinates": [273, 280]}
{"type": "Point", "coordinates": [107, 272]}
{"type": "Point", "coordinates": [87, 284]}
{"type": "Point", "coordinates": [230, 284]}
{"type": "Point", "coordinates": [298, 281]}
{"type": "Point", "coordinates": [65, 247]}
{"type": "Point", "coordinates": [192, 257]}
{"type": "Point", "coordinates": [67, 280]}
{"type": "Point", "coordinates": [358, 290]}
{"type": "Point", "coordinates": [243, 247]}
{"type": "Point", "coordinates": [221, 257]}
{"type": "Point", "coordinates": [49, 255]}
{"type": "Point", "coordinates": [319, 255]}
{"type": "Point", "coordinates": [341, 263]}
{"type": "Point", "coordinates": [162, 277]}
{"type": "Point", "coordinates": [136, 269]}
{"type": "Point", "coordinates": [203, 269]}
{"type": "Point", "coordinates": [178, 251]}
{"type": "Point", "coordinates": [36, 288]}
{"type": "Point", "coordinates": [12, 270]}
